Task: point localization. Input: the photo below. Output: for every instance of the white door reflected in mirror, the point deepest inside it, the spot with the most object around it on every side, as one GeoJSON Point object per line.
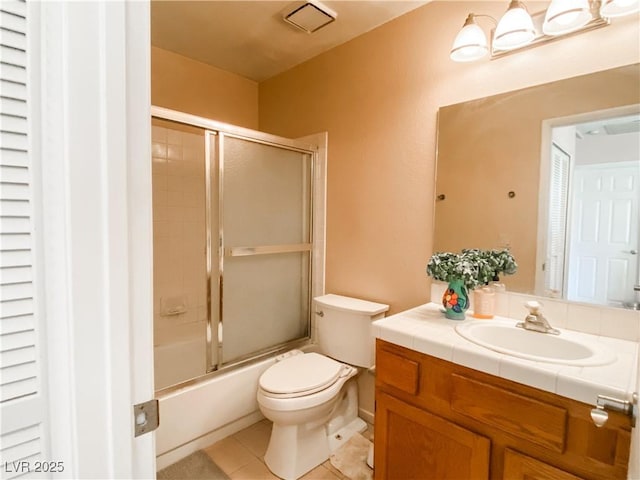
{"type": "Point", "coordinates": [592, 231]}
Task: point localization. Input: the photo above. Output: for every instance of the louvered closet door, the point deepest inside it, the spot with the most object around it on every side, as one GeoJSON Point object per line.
{"type": "Point", "coordinates": [21, 401]}
{"type": "Point", "coordinates": [556, 236]}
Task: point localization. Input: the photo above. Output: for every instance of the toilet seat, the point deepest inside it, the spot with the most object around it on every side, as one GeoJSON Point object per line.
{"type": "Point", "coordinates": [301, 375]}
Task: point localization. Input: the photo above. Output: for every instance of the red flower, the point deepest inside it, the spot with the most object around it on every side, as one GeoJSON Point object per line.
{"type": "Point", "coordinates": [450, 298]}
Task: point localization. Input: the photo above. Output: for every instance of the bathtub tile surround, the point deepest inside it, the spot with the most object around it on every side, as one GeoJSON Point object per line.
{"type": "Point", "coordinates": [179, 262]}
{"type": "Point", "coordinates": [596, 320]}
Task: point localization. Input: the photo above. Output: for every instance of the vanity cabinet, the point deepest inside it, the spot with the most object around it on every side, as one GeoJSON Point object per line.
{"type": "Point", "coordinates": [522, 467]}
{"type": "Point", "coordinates": [439, 420]}
{"type": "Point", "coordinates": [418, 442]}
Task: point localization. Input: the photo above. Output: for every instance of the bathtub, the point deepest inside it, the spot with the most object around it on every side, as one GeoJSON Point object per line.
{"type": "Point", "coordinates": [179, 361]}
{"type": "Point", "coordinates": [205, 412]}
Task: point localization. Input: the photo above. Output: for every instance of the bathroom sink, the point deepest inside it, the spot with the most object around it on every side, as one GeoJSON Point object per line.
{"type": "Point", "coordinates": [568, 348]}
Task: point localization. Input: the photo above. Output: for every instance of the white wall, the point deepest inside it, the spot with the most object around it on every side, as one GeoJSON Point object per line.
{"type": "Point", "coordinates": [624, 147]}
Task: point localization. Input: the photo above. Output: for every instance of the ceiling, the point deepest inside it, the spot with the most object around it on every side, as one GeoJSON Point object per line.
{"type": "Point", "coordinates": [251, 39]}
{"type": "Point", "coordinates": [609, 126]}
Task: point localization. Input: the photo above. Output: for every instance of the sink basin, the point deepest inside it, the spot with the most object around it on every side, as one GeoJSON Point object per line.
{"type": "Point", "coordinates": [568, 348]}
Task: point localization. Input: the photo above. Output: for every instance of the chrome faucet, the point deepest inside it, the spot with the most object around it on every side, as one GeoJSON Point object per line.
{"type": "Point", "coordinates": [535, 321]}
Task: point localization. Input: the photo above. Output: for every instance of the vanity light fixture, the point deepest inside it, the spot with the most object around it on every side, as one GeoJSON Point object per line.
{"type": "Point", "coordinates": [517, 29]}
{"type": "Point", "coordinates": [619, 8]}
{"type": "Point", "coordinates": [565, 16]}
{"type": "Point", "coordinates": [471, 42]}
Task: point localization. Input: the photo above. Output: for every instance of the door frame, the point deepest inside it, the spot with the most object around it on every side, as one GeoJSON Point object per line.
{"type": "Point", "coordinates": [96, 210]}
{"type": "Point", "coordinates": [546, 142]}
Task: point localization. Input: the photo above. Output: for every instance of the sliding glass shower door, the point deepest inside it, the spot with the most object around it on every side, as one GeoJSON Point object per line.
{"type": "Point", "coordinates": [233, 245]}
{"type": "Point", "coordinates": [259, 246]}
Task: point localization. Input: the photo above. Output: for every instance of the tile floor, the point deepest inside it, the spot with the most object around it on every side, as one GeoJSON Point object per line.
{"type": "Point", "coordinates": [241, 456]}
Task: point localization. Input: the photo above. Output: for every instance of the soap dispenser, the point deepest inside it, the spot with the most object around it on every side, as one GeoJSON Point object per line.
{"type": "Point", "coordinates": [484, 302]}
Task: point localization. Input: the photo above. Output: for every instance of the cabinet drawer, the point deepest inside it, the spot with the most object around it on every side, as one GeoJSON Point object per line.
{"type": "Point", "coordinates": [516, 414]}
{"type": "Point", "coordinates": [397, 371]}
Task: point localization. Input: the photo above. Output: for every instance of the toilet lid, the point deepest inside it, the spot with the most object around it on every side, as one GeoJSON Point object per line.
{"type": "Point", "coordinates": [301, 374]}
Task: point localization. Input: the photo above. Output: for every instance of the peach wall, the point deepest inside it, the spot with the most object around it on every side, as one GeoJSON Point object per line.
{"type": "Point", "coordinates": [183, 84]}
{"type": "Point", "coordinates": [378, 97]}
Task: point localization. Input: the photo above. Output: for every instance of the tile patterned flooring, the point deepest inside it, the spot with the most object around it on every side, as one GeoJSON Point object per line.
{"type": "Point", "coordinates": [241, 456]}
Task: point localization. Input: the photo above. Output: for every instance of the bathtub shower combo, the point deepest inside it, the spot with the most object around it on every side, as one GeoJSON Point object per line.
{"type": "Point", "coordinates": [238, 221]}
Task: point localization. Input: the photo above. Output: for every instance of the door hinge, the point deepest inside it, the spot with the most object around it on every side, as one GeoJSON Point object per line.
{"type": "Point", "coordinates": [146, 417]}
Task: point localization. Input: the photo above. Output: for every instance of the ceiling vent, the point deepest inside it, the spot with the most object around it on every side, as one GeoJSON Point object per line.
{"type": "Point", "coordinates": [618, 128]}
{"type": "Point", "coordinates": [311, 16]}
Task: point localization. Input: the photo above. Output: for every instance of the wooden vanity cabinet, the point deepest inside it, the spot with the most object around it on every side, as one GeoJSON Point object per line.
{"type": "Point", "coordinates": [439, 420]}
{"type": "Point", "coordinates": [424, 446]}
{"type": "Point", "coordinates": [521, 467]}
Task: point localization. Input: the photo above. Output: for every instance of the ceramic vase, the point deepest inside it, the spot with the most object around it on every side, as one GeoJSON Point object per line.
{"type": "Point", "coordinates": [455, 300]}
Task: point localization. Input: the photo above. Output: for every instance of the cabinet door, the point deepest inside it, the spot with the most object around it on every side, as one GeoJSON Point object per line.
{"type": "Point", "coordinates": [413, 444]}
{"type": "Point", "coordinates": [521, 467]}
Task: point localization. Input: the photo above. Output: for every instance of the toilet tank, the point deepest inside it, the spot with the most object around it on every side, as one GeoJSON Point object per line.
{"type": "Point", "coordinates": [344, 328]}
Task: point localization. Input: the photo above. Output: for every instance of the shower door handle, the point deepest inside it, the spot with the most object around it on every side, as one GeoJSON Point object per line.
{"type": "Point", "coordinates": [266, 249]}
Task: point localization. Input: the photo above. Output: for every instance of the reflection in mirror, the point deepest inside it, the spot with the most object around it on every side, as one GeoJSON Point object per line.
{"type": "Point", "coordinates": [494, 184]}
{"type": "Point", "coordinates": [592, 211]}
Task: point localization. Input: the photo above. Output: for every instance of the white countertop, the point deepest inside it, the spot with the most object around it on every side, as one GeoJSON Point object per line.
{"type": "Point", "coordinates": [425, 329]}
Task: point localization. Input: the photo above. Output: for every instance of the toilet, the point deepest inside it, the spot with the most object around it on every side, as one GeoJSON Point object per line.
{"type": "Point", "coordinates": [312, 398]}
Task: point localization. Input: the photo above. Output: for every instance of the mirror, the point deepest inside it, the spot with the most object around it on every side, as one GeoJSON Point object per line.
{"type": "Point", "coordinates": [493, 177]}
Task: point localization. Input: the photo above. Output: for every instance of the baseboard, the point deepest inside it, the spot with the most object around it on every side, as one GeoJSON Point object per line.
{"type": "Point", "coordinates": [366, 415]}
{"type": "Point", "coordinates": [178, 453]}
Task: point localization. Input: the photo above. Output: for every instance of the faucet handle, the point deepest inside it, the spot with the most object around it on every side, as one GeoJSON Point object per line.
{"type": "Point", "coordinates": [533, 306]}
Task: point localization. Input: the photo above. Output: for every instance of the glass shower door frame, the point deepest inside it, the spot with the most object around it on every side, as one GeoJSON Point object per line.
{"type": "Point", "coordinates": [214, 173]}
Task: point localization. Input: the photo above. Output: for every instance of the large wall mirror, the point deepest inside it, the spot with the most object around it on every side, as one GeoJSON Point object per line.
{"type": "Point", "coordinates": [551, 172]}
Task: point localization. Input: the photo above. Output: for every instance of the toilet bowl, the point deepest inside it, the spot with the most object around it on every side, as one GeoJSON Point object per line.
{"type": "Point", "coordinates": [300, 395]}
{"type": "Point", "coordinates": [311, 398]}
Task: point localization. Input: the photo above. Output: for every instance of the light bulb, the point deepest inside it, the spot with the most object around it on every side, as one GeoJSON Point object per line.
{"type": "Point", "coordinates": [619, 8]}
{"type": "Point", "coordinates": [515, 29]}
{"type": "Point", "coordinates": [564, 16]}
{"type": "Point", "coordinates": [470, 44]}
{"type": "Point", "coordinates": [568, 18]}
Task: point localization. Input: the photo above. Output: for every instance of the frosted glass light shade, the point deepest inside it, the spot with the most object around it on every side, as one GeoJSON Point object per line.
{"type": "Point", "coordinates": [619, 8]}
{"type": "Point", "coordinates": [470, 43]}
{"type": "Point", "coordinates": [515, 29]}
{"type": "Point", "coordinates": [564, 16]}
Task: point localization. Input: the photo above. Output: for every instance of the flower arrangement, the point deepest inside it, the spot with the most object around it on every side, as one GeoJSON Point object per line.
{"type": "Point", "coordinates": [473, 267]}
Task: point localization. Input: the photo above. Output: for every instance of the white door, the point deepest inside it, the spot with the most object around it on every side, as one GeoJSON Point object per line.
{"type": "Point", "coordinates": [603, 259]}
{"type": "Point", "coordinates": [23, 393]}
{"type": "Point", "coordinates": [557, 224]}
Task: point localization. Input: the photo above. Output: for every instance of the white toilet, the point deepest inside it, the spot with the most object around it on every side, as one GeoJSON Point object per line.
{"type": "Point", "coordinates": [312, 399]}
